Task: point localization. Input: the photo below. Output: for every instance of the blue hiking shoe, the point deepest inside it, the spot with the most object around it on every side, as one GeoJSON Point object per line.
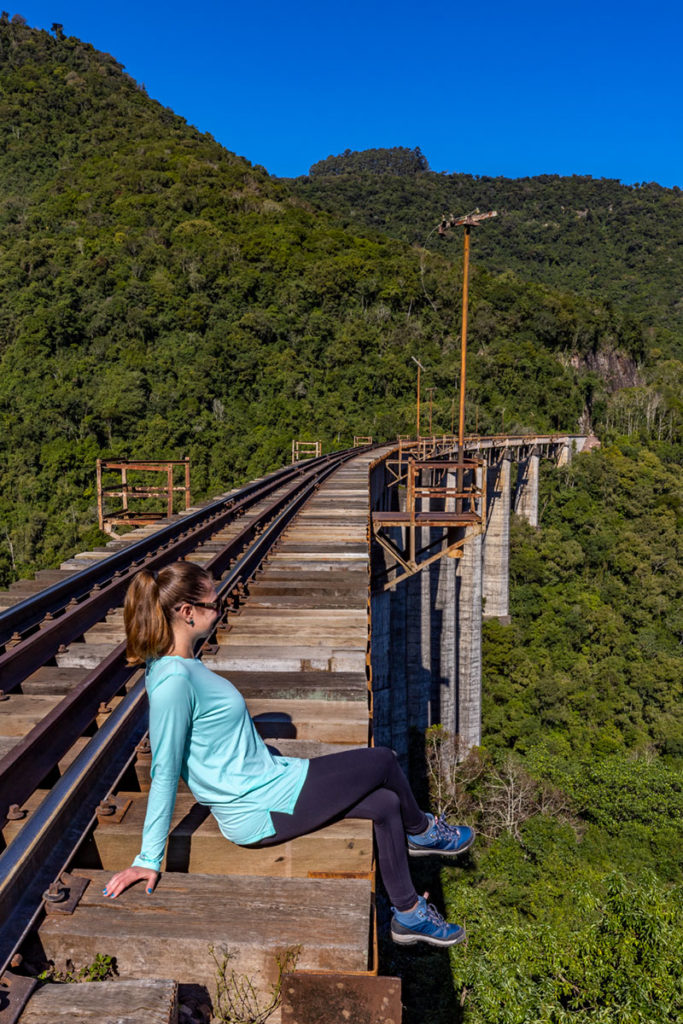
{"type": "Point", "coordinates": [424, 924]}
{"type": "Point", "coordinates": [446, 840]}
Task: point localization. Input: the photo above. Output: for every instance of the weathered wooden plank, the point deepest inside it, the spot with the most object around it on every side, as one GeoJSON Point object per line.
{"type": "Point", "coordinates": [84, 655]}
{"type": "Point", "coordinates": [168, 934]}
{"type": "Point", "coordinates": [256, 658]}
{"type": "Point", "coordinates": [247, 637]}
{"type": "Point", "coordinates": [53, 680]}
{"type": "Point", "coordinates": [143, 1001]}
{"type": "Point", "coordinates": [328, 600]}
{"type": "Point", "coordinates": [349, 560]}
{"type": "Point", "coordinates": [197, 845]}
{"type": "Point", "coordinates": [7, 743]}
{"type": "Point", "coordinates": [329, 721]}
{"type": "Point", "coordinates": [20, 712]}
{"type": "Point", "coordinates": [329, 547]}
{"type": "Point", "coordinates": [300, 685]}
{"type": "Point", "coordinates": [320, 616]}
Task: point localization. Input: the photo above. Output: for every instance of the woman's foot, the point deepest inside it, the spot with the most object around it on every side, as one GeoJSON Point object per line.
{"type": "Point", "coordinates": [446, 840]}
{"type": "Point", "coordinates": [424, 924]}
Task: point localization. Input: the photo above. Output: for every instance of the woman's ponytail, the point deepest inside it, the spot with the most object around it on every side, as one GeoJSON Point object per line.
{"type": "Point", "coordinates": [148, 631]}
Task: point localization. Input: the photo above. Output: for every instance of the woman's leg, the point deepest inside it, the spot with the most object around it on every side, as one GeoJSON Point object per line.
{"type": "Point", "coordinates": [382, 807]}
{"type": "Point", "coordinates": [337, 782]}
{"type": "Point", "coordinates": [366, 783]}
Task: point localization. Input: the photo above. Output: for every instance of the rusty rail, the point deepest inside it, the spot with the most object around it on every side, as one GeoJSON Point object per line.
{"type": "Point", "coordinates": [28, 614]}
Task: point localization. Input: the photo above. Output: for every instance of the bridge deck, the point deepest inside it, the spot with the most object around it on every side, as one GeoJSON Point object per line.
{"type": "Point", "coordinates": [298, 651]}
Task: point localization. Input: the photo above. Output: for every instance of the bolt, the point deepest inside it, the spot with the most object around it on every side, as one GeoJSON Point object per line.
{"type": "Point", "coordinates": [3, 695]}
{"type": "Point", "coordinates": [15, 813]}
{"type": "Point", "coordinates": [55, 894]}
{"type": "Point", "coordinates": [144, 746]}
{"type": "Point", "coordinates": [104, 708]}
{"type": "Point", "coordinates": [16, 961]}
{"type": "Point", "coordinates": [105, 808]}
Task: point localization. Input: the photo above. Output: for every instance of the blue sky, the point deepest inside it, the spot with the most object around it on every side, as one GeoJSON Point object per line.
{"type": "Point", "coordinates": [486, 88]}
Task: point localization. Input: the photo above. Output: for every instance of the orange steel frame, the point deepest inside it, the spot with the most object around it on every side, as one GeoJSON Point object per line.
{"type": "Point", "coordinates": [306, 450]}
{"type": "Point", "coordinates": [124, 516]}
{"type": "Point", "coordinates": [458, 516]}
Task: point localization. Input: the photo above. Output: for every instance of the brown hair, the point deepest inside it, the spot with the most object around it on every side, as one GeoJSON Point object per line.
{"type": "Point", "coordinates": [149, 604]}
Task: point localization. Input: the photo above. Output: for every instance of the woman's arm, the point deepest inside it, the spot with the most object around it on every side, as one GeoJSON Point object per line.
{"type": "Point", "coordinates": [170, 718]}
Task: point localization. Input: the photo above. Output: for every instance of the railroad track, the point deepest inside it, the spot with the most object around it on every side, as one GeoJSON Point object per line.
{"type": "Point", "coordinates": [289, 554]}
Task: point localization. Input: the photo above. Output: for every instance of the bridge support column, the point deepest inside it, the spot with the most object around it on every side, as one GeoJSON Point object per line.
{"type": "Point", "coordinates": [526, 492]}
{"type": "Point", "coordinates": [468, 611]}
{"type": "Point", "coordinates": [389, 718]}
{"type": "Point", "coordinates": [444, 629]}
{"type": "Point", "coordinates": [422, 635]}
{"type": "Point", "coordinates": [496, 543]}
{"type": "Point", "coordinates": [564, 456]}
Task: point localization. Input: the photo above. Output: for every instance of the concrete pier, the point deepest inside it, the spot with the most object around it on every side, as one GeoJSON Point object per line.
{"type": "Point", "coordinates": [496, 542]}
{"type": "Point", "coordinates": [468, 594]}
{"type": "Point", "coordinates": [526, 492]}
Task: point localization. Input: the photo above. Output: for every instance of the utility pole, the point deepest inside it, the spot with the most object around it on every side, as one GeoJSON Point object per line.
{"type": "Point", "coordinates": [431, 395]}
{"type": "Point", "coordinates": [419, 367]}
{"type": "Point", "coordinates": [466, 222]}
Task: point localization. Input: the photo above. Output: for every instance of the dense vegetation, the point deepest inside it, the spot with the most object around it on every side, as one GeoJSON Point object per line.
{"type": "Point", "coordinates": [160, 296]}
{"type": "Point", "coordinates": [597, 236]}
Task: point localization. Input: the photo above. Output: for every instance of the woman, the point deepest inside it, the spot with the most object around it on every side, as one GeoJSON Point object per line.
{"type": "Point", "coordinates": [200, 730]}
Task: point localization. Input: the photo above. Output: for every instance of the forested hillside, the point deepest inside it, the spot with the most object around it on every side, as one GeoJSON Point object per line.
{"type": "Point", "coordinates": [594, 235]}
{"type": "Point", "coordinates": [161, 297]}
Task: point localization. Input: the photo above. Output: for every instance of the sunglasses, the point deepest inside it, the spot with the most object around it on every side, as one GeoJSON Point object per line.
{"type": "Point", "coordinates": [214, 606]}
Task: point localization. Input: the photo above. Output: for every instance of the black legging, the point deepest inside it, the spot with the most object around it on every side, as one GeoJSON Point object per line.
{"type": "Point", "coordinates": [365, 783]}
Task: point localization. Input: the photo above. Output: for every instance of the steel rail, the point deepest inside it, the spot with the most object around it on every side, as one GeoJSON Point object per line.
{"type": "Point", "coordinates": [47, 842]}
{"type": "Point", "coordinates": [29, 654]}
{"type": "Point", "coordinates": [54, 831]}
{"type": "Point", "coordinates": [26, 765]}
{"type": "Point", "coordinates": [27, 614]}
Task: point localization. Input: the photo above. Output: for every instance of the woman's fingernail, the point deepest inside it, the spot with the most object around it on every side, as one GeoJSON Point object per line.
{"type": "Point", "coordinates": [149, 890]}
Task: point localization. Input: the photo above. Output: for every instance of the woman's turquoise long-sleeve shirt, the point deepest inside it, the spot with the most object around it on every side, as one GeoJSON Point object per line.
{"type": "Point", "coordinates": [200, 730]}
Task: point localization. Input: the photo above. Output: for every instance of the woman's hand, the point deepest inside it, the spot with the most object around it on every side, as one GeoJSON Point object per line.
{"type": "Point", "coordinates": [122, 879]}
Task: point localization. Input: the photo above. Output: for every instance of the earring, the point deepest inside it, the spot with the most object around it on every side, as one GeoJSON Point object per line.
{"type": "Point", "coordinates": [191, 622]}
